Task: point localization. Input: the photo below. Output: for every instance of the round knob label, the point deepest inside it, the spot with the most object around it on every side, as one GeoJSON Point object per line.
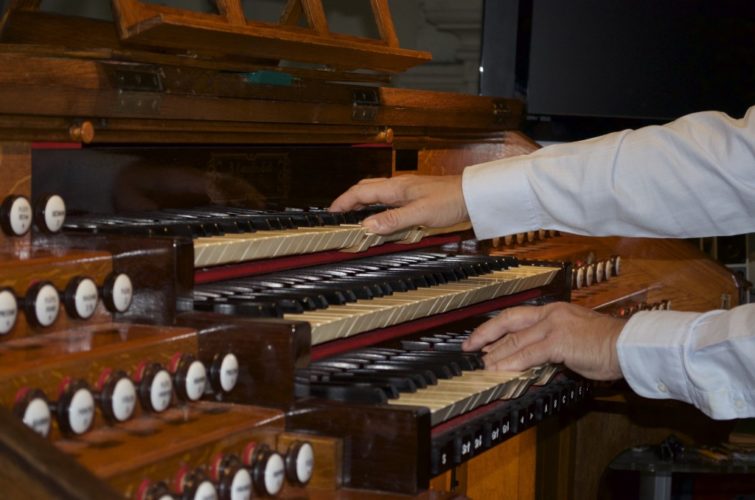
{"type": "Point", "coordinates": [20, 216]}
{"type": "Point", "coordinates": [274, 474]}
{"type": "Point", "coordinates": [305, 462]}
{"type": "Point", "coordinates": [124, 399]}
{"type": "Point", "coordinates": [206, 491]}
{"type": "Point", "coordinates": [8, 311]}
{"type": "Point", "coordinates": [229, 372]}
{"type": "Point", "coordinates": [81, 411]}
{"type": "Point", "coordinates": [85, 298]}
{"type": "Point", "coordinates": [241, 486]}
{"type": "Point", "coordinates": [54, 213]}
{"type": "Point", "coordinates": [47, 305]}
{"type": "Point", "coordinates": [161, 391]}
{"type": "Point", "coordinates": [196, 380]}
{"type": "Point", "coordinates": [37, 416]}
{"type": "Point", "coordinates": [123, 293]}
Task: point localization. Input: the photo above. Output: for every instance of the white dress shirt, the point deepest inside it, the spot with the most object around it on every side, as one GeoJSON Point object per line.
{"type": "Point", "coordinates": [692, 177]}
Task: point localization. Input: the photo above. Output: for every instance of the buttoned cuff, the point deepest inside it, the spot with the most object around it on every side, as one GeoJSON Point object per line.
{"type": "Point", "coordinates": [499, 197]}
{"type": "Point", "coordinates": [651, 353]}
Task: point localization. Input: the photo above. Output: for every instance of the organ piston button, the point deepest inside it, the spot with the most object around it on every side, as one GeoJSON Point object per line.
{"type": "Point", "coordinates": [118, 292]}
{"type": "Point", "coordinates": [15, 215]}
{"type": "Point", "coordinates": [233, 479]}
{"type": "Point", "coordinates": [42, 304]}
{"type": "Point", "coordinates": [224, 372]}
{"type": "Point", "coordinates": [189, 376]}
{"type": "Point", "coordinates": [155, 387]}
{"type": "Point", "coordinates": [8, 310]}
{"type": "Point", "coordinates": [33, 408]}
{"type": "Point", "coordinates": [268, 471]}
{"type": "Point", "coordinates": [80, 298]}
{"type": "Point", "coordinates": [75, 407]}
{"type": "Point", "coordinates": [195, 485]}
{"type": "Point", "coordinates": [153, 491]}
{"type": "Point", "coordinates": [50, 213]}
{"type": "Point", "coordinates": [117, 395]}
{"type": "Point", "coordinates": [300, 459]}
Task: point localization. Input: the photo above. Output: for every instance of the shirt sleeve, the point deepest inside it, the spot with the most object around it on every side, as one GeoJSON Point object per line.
{"type": "Point", "coordinates": [703, 359]}
{"type": "Point", "coordinates": [692, 177]}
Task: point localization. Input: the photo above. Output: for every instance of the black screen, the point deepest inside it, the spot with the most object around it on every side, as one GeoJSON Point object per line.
{"type": "Point", "coordinates": [585, 67]}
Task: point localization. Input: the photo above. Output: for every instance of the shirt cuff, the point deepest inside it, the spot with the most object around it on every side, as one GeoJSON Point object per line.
{"type": "Point", "coordinates": [651, 353]}
{"type": "Point", "coordinates": [499, 197]}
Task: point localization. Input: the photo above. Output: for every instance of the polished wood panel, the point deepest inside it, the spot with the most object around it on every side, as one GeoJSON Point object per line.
{"type": "Point", "coordinates": [229, 32]}
{"type": "Point", "coordinates": [18, 271]}
{"type": "Point", "coordinates": [269, 352]}
{"type": "Point", "coordinates": [396, 438]}
{"type": "Point", "coordinates": [27, 458]}
{"type": "Point", "coordinates": [15, 162]}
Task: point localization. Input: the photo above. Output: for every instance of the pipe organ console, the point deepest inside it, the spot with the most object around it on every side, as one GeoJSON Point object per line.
{"type": "Point", "coordinates": [179, 317]}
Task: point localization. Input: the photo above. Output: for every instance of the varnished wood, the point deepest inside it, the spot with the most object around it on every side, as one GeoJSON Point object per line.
{"type": "Point", "coordinates": [315, 14]}
{"type": "Point", "coordinates": [24, 4]}
{"type": "Point", "coordinates": [396, 438]}
{"type": "Point", "coordinates": [26, 458]}
{"type": "Point", "coordinates": [83, 354]}
{"type": "Point", "coordinates": [384, 20]}
{"type": "Point", "coordinates": [153, 25]}
{"type": "Point", "coordinates": [15, 162]}
{"type": "Point", "coordinates": [193, 436]}
{"type": "Point", "coordinates": [328, 458]}
{"type": "Point", "coordinates": [20, 272]}
{"type": "Point", "coordinates": [505, 472]}
{"type": "Point", "coordinates": [46, 33]}
{"type": "Point", "coordinates": [269, 352]}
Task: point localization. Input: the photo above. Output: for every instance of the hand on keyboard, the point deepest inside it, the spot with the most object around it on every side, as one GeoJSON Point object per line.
{"type": "Point", "coordinates": [523, 337]}
{"type": "Point", "coordinates": [434, 201]}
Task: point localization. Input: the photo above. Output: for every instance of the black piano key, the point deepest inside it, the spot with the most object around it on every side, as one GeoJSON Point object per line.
{"type": "Point", "coordinates": [400, 384]}
{"type": "Point", "coordinates": [348, 393]}
{"type": "Point", "coordinates": [440, 370]}
{"type": "Point", "coordinates": [415, 345]}
{"type": "Point", "coordinates": [249, 309]}
{"type": "Point", "coordinates": [429, 362]}
{"type": "Point", "coordinates": [328, 289]}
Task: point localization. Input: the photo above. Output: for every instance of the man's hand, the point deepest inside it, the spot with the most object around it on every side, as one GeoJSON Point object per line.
{"type": "Point", "coordinates": [523, 337]}
{"type": "Point", "coordinates": [434, 201]}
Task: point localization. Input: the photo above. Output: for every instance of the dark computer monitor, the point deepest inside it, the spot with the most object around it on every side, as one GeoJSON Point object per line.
{"type": "Point", "coordinates": [586, 67]}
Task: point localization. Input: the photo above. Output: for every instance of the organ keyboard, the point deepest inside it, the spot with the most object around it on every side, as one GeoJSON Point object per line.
{"type": "Point", "coordinates": [339, 301]}
{"type": "Point", "coordinates": [223, 235]}
{"type": "Point", "coordinates": [186, 338]}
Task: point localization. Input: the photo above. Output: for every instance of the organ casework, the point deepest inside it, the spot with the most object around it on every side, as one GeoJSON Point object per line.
{"type": "Point", "coordinates": [181, 319]}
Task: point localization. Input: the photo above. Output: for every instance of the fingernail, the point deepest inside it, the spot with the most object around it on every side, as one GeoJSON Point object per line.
{"type": "Point", "coordinates": [371, 224]}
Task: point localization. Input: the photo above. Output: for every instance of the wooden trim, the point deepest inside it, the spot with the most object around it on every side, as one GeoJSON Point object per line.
{"type": "Point", "coordinates": [384, 22]}
{"type": "Point", "coordinates": [231, 10]}
{"type": "Point", "coordinates": [316, 18]}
